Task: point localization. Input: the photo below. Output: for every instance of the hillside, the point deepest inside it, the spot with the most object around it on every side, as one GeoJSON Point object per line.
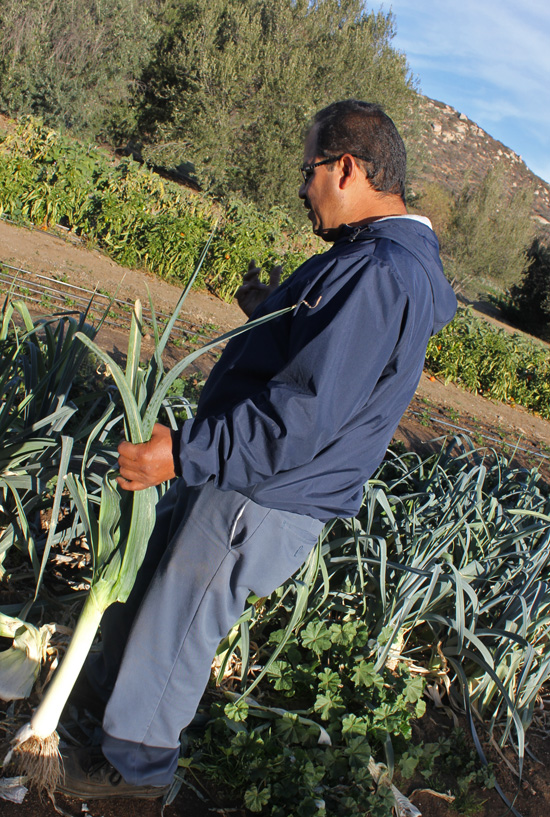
{"type": "Point", "coordinates": [456, 150]}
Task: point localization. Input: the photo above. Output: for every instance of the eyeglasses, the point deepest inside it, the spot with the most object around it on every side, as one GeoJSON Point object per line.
{"type": "Point", "coordinates": [308, 170]}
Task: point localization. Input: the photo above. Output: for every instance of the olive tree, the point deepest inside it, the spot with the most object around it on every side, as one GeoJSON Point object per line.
{"type": "Point", "coordinates": [233, 84]}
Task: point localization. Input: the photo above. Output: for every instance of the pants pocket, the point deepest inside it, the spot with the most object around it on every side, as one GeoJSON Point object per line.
{"type": "Point", "coordinates": [273, 546]}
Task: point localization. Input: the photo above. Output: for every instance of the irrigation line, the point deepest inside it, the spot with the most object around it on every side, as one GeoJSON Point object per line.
{"type": "Point", "coordinates": [51, 290]}
{"type": "Point", "coordinates": [473, 431]}
{"type": "Point", "coordinates": [88, 293]}
{"type": "Point", "coordinates": [107, 321]}
{"type": "Point", "coordinates": [37, 289]}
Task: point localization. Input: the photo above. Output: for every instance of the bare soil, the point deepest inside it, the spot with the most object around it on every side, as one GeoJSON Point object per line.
{"type": "Point", "coordinates": [437, 410]}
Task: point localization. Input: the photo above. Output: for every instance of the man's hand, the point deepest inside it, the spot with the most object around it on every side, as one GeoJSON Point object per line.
{"type": "Point", "coordinates": [146, 464]}
{"type": "Point", "coordinates": [252, 292]}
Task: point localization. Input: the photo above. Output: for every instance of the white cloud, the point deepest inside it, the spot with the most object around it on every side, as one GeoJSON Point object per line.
{"type": "Point", "coordinates": [490, 60]}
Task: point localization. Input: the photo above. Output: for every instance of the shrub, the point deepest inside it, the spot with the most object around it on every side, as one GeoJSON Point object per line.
{"type": "Point", "coordinates": [528, 305]}
{"type": "Point", "coordinates": [490, 231]}
{"type": "Point", "coordinates": [492, 362]}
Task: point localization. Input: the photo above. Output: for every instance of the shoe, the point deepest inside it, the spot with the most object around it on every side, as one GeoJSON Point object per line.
{"type": "Point", "coordinates": [89, 776]}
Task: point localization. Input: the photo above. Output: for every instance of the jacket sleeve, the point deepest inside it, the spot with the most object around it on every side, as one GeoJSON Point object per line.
{"type": "Point", "coordinates": [339, 349]}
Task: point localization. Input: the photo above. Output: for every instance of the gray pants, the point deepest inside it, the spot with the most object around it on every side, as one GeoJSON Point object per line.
{"type": "Point", "coordinates": [208, 551]}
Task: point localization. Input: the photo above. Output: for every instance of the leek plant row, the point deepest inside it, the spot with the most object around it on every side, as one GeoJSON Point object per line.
{"type": "Point", "coordinates": [444, 577]}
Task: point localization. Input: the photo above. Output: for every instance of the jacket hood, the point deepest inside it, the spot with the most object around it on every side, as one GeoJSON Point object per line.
{"type": "Point", "coordinates": [420, 241]}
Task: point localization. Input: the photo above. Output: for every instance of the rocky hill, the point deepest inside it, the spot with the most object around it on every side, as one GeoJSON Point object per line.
{"type": "Point", "coordinates": [456, 150]}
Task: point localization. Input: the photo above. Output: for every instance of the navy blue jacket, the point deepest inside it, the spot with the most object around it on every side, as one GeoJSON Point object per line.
{"type": "Point", "coordinates": [298, 412]}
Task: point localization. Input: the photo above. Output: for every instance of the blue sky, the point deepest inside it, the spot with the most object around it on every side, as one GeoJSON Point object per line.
{"type": "Point", "coordinates": [489, 59]}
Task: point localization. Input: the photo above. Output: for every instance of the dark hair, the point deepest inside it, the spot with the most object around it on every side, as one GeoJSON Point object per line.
{"type": "Point", "coordinates": [365, 131]}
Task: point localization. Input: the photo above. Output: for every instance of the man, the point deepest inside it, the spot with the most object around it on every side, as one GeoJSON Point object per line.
{"type": "Point", "coordinates": [292, 421]}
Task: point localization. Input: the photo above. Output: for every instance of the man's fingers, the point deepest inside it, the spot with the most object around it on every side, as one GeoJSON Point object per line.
{"type": "Point", "coordinates": [130, 484]}
{"type": "Point", "coordinates": [251, 276]}
{"type": "Point", "coordinates": [129, 451]}
{"type": "Point", "coordinates": [132, 459]}
{"type": "Point", "coordinates": [128, 468]}
{"type": "Point", "coordinates": [142, 465]}
{"type": "Point", "coordinates": [275, 276]}
{"type": "Point", "coordinates": [254, 272]}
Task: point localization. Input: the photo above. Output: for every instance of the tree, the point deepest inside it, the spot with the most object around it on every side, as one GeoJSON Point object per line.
{"type": "Point", "coordinates": [227, 85]}
{"type": "Point", "coordinates": [437, 203]}
{"type": "Point", "coordinates": [72, 63]}
{"type": "Point", "coordinates": [233, 84]}
{"type": "Point", "coordinates": [489, 231]}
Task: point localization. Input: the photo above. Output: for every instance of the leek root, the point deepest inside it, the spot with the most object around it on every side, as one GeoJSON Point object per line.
{"type": "Point", "coordinates": [35, 748]}
{"type": "Point", "coordinates": [39, 760]}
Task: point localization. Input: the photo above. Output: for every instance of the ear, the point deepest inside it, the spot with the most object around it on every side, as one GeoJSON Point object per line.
{"type": "Point", "coordinates": [348, 170]}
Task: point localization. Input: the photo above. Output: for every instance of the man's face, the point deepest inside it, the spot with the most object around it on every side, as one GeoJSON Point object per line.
{"type": "Point", "coordinates": [321, 192]}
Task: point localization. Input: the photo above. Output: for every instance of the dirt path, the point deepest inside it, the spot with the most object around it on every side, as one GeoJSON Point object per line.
{"type": "Point", "coordinates": [61, 259]}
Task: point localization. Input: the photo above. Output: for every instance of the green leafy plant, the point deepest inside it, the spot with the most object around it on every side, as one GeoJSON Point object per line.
{"type": "Point", "coordinates": [40, 364]}
{"type": "Point", "coordinates": [317, 759]}
{"type": "Point", "coordinates": [136, 217]}
{"type": "Point", "coordinates": [492, 362]}
{"type": "Point", "coordinates": [442, 577]}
